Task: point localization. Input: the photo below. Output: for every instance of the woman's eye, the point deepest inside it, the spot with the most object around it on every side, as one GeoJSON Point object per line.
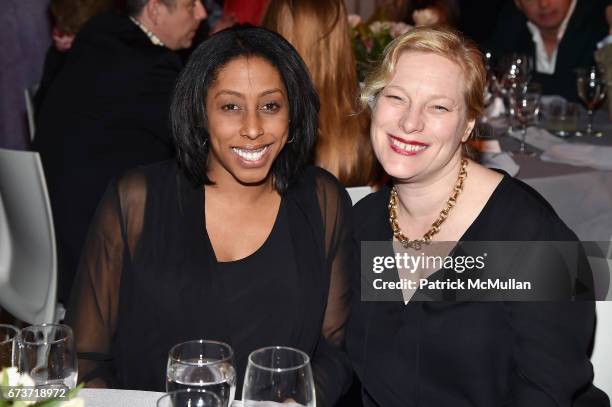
{"type": "Point", "coordinates": [393, 97]}
{"type": "Point", "coordinates": [229, 107]}
{"type": "Point", "coordinates": [441, 108]}
{"type": "Point", "coordinates": [271, 107]}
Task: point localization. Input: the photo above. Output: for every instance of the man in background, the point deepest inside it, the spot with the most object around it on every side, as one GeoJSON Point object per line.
{"type": "Point", "coordinates": [107, 111]}
{"type": "Point", "coordinates": [560, 36]}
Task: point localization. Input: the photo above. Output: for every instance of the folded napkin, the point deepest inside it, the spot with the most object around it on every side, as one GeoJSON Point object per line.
{"type": "Point", "coordinates": [495, 109]}
{"type": "Point", "coordinates": [585, 155]}
{"type": "Point", "coordinates": [539, 138]}
{"type": "Point", "coordinates": [502, 161]}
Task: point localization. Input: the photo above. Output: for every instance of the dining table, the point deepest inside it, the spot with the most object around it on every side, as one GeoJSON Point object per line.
{"type": "Point", "coordinates": [124, 398]}
{"type": "Point", "coordinates": [119, 398]}
{"type": "Point", "coordinates": [580, 194]}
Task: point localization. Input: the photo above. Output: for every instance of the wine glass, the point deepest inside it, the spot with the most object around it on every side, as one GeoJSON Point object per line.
{"type": "Point", "coordinates": [48, 355]}
{"type": "Point", "coordinates": [592, 91]}
{"type": "Point", "coordinates": [491, 89]}
{"type": "Point", "coordinates": [525, 101]}
{"type": "Point", "coordinates": [190, 398]}
{"type": "Point", "coordinates": [278, 375]}
{"type": "Point", "coordinates": [515, 73]}
{"type": "Point", "coordinates": [202, 364]}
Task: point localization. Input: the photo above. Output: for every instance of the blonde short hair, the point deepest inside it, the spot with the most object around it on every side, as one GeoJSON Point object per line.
{"type": "Point", "coordinates": [440, 41]}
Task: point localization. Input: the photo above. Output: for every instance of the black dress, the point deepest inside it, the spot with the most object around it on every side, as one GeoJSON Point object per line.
{"type": "Point", "coordinates": [472, 353]}
{"type": "Point", "coordinates": [149, 279]}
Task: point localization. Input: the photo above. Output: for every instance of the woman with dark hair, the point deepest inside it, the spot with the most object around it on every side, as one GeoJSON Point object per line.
{"type": "Point", "coordinates": [239, 240]}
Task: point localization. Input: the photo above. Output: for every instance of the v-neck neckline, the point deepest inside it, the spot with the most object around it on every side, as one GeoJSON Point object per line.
{"type": "Point", "coordinates": [466, 236]}
{"type": "Point", "coordinates": [207, 241]}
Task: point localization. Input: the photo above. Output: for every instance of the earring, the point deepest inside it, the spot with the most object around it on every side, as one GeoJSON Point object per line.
{"type": "Point", "coordinates": [291, 139]}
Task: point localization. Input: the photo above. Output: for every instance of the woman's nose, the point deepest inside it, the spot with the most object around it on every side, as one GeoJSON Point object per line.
{"type": "Point", "coordinates": [411, 119]}
{"type": "Point", "coordinates": [252, 125]}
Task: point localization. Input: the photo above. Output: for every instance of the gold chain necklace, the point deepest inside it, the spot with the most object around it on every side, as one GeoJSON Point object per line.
{"type": "Point", "coordinates": [416, 244]}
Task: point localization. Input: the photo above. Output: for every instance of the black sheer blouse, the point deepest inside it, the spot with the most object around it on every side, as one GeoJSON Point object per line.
{"type": "Point", "coordinates": [149, 279]}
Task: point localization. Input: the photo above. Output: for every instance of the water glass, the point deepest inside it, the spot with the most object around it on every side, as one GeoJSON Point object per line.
{"type": "Point", "coordinates": [8, 345]}
{"type": "Point", "coordinates": [202, 364]}
{"type": "Point", "coordinates": [190, 398]}
{"type": "Point", "coordinates": [47, 354]}
{"type": "Point", "coordinates": [278, 375]}
{"type": "Point", "coordinates": [562, 118]}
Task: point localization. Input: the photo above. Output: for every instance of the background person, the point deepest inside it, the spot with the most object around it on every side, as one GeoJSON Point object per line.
{"type": "Point", "coordinates": [107, 111]}
{"type": "Point", "coordinates": [69, 16]}
{"type": "Point", "coordinates": [237, 240]}
{"type": "Point", "coordinates": [318, 29]}
{"type": "Point", "coordinates": [560, 36]}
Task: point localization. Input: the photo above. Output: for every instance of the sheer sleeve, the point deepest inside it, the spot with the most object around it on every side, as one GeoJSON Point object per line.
{"type": "Point", "coordinates": [331, 367]}
{"type": "Point", "coordinates": [92, 313]}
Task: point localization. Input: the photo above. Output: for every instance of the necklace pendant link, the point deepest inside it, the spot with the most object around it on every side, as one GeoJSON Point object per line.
{"type": "Point", "coordinates": [417, 244]}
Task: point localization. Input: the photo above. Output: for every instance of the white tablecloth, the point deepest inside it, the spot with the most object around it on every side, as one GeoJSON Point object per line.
{"type": "Point", "coordinates": [119, 398]}
{"type": "Point", "coordinates": [583, 200]}
{"type": "Point", "coordinates": [581, 196]}
{"type": "Point", "coordinates": [124, 398]}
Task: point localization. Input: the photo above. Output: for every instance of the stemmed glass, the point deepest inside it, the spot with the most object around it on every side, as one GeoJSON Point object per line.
{"type": "Point", "coordinates": [190, 398]}
{"type": "Point", "coordinates": [9, 336]}
{"type": "Point", "coordinates": [515, 73]}
{"type": "Point", "coordinates": [202, 364]}
{"type": "Point", "coordinates": [592, 91]}
{"type": "Point", "coordinates": [491, 90]}
{"type": "Point", "coordinates": [47, 354]}
{"type": "Point", "coordinates": [525, 101]}
{"type": "Point", "coordinates": [278, 375]}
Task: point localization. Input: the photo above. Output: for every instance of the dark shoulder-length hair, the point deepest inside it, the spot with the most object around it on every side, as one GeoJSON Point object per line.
{"type": "Point", "coordinates": [188, 109]}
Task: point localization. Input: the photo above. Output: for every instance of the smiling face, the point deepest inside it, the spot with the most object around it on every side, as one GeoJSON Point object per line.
{"type": "Point", "coordinates": [248, 121]}
{"type": "Point", "coordinates": [176, 25]}
{"type": "Point", "coordinates": [546, 14]}
{"type": "Point", "coordinates": [419, 119]}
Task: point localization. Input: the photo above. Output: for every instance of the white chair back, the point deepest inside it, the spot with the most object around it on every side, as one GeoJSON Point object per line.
{"type": "Point", "coordinates": [28, 262]}
{"type": "Point", "coordinates": [601, 359]}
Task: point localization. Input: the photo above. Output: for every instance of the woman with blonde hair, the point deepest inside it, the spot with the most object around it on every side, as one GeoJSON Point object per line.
{"type": "Point", "coordinates": [318, 29]}
{"type": "Point", "coordinates": [443, 344]}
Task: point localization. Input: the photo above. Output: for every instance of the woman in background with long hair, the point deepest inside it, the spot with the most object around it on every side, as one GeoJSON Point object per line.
{"type": "Point", "coordinates": [318, 29]}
